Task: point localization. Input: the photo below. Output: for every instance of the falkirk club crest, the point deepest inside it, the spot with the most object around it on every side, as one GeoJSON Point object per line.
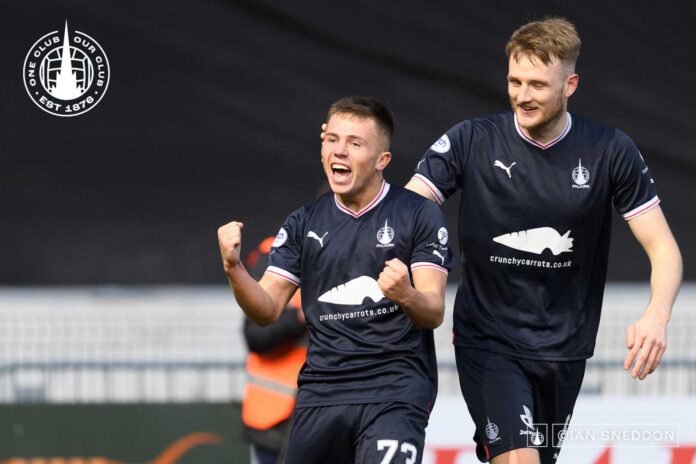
{"type": "Point", "coordinates": [66, 74]}
{"type": "Point", "coordinates": [581, 176]}
{"type": "Point", "coordinates": [385, 236]}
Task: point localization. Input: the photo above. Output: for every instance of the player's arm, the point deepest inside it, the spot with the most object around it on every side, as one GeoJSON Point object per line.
{"type": "Point", "coordinates": [646, 338]}
{"type": "Point", "coordinates": [264, 301]}
{"type": "Point", "coordinates": [421, 189]}
{"type": "Point", "coordinates": [424, 300]}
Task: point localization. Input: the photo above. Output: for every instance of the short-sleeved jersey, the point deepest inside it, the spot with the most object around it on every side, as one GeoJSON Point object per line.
{"type": "Point", "coordinates": [362, 347]}
{"type": "Point", "coordinates": [534, 230]}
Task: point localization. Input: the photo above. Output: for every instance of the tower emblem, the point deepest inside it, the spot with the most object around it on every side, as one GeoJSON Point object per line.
{"type": "Point", "coordinates": [491, 431]}
{"type": "Point", "coordinates": [66, 74]}
{"type": "Point", "coordinates": [385, 235]}
{"type": "Point", "coordinates": [581, 175]}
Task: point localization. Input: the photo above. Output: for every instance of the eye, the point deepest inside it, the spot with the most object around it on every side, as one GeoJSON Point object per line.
{"type": "Point", "coordinates": [329, 139]}
{"type": "Point", "coordinates": [355, 144]}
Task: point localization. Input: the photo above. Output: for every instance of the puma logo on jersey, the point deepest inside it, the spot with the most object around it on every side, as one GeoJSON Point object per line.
{"type": "Point", "coordinates": [317, 238]}
{"type": "Point", "coordinates": [537, 240]}
{"type": "Point", "coordinates": [499, 164]}
{"type": "Point", "coordinates": [353, 292]}
{"type": "Point", "coordinates": [436, 253]}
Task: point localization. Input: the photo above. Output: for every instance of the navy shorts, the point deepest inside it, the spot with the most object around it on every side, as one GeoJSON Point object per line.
{"type": "Point", "coordinates": [357, 434]}
{"type": "Point", "coordinates": [518, 403]}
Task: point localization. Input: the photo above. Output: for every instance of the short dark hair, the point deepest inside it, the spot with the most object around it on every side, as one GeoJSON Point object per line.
{"type": "Point", "coordinates": [365, 107]}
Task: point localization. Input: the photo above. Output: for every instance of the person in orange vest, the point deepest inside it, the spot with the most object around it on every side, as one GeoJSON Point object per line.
{"type": "Point", "coordinates": [276, 354]}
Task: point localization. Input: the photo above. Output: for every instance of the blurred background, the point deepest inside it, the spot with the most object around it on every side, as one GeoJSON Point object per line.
{"type": "Point", "coordinates": [113, 305]}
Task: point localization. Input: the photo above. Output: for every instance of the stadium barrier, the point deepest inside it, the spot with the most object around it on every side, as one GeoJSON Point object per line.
{"type": "Point", "coordinates": [185, 344]}
{"type": "Point", "coordinates": [114, 376]}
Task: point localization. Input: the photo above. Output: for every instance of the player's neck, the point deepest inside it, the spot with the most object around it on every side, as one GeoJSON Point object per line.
{"type": "Point", "coordinates": [359, 200]}
{"type": "Point", "coordinates": [545, 133]}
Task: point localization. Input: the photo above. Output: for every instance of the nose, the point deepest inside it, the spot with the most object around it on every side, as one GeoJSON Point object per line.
{"type": "Point", "coordinates": [523, 94]}
{"type": "Point", "coordinates": [341, 149]}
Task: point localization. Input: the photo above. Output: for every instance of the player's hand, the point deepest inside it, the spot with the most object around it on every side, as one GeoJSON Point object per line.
{"type": "Point", "coordinates": [394, 281]}
{"type": "Point", "coordinates": [230, 240]}
{"type": "Point", "coordinates": [647, 340]}
{"type": "Point", "coordinates": [323, 131]}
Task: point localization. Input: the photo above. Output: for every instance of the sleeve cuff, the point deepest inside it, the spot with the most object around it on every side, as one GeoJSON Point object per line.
{"type": "Point", "coordinates": [644, 208]}
{"type": "Point", "coordinates": [283, 274]}
{"type": "Point", "coordinates": [422, 265]}
{"type": "Point", "coordinates": [439, 197]}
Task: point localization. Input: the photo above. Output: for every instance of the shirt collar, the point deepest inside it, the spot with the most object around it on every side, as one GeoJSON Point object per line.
{"type": "Point", "coordinates": [375, 201]}
{"type": "Point", "coordinates": [549, 144]}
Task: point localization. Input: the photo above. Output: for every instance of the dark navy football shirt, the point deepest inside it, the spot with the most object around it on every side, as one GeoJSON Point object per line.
{"type": "Point", "coordinates": [534, 230]}
{"type": "Point", "coordinates": [362, 347]}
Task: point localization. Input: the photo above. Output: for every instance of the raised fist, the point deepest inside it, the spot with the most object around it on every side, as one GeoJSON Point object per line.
{"type": "Point", "coordinates": [394, 280]}
{"type": "Point", "coordinates": [230, 240]}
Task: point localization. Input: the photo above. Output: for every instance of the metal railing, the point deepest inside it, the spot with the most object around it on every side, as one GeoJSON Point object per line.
{"type": "Point", "coordinates": [214, 381]}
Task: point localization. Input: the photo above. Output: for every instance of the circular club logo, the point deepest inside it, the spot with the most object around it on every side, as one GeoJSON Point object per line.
{"type": "Point", "coordinates": [66, 74]}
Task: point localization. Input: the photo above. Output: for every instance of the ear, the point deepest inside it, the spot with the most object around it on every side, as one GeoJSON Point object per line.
{"type": "Point", "coordinates": [383, 160]}
{"type": "Point", "coordinates": [571, 84]}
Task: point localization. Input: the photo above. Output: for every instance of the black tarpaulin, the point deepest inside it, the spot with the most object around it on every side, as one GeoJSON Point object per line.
{"type": "Point", "coordinates": [213, 113]}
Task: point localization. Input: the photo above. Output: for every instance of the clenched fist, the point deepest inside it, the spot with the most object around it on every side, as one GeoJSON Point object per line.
{"type": "Point", "coordinates": [394, 281]}
{"type": "Point", "coordinates": [230, 240]}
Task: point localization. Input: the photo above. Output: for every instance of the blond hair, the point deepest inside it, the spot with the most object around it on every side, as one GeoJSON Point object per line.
{"type": "Point", "coordinates": [546, 39]}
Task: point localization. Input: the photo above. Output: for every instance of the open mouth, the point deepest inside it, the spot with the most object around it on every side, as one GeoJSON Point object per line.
{"type": "Point", "coordinates": [340, 171]}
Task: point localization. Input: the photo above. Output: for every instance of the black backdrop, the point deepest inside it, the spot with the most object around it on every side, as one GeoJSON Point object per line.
{"type": "Point", "coordinates": [214, 107]}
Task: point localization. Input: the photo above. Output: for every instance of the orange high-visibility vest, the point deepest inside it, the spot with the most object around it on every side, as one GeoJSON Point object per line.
{"type": "Point", "coordinates": [271, 388]}
{"type": "Point", "coordinates": [269, 395]}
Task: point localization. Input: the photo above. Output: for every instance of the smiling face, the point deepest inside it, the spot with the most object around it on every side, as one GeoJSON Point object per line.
{"type": "Point", "coordinates": [354, 153]}
{"type": "Point", "coordinates": [539, 95]}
